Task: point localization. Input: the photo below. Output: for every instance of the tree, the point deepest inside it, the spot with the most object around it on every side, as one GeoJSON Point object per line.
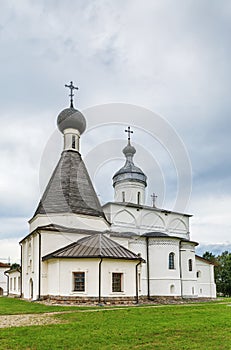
{"type": "Point", "coordinates": [224, 274]}
{"type": "Point", "coordinates": [222, 271]}
{"type": "Point", "coordinates": [14, 266]}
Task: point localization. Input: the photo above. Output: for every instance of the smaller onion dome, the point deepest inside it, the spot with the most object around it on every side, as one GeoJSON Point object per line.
{"type": "Point", "coordinates": [129, 150]}
{"type": "Point", "coordinates": [129, 172]}
{"type": "Point", "coordinates": [71, 118]}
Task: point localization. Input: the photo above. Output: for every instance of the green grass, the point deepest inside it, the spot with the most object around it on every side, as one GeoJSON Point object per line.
{"type": "Point", "coordinates": [11, 306]}
{"type": "Point", "coordinates": [198, 326]}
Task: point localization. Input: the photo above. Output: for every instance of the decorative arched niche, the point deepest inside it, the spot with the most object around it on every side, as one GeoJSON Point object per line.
{"type": "Point", "coordinates": [153, 221]}
{"type": "Point", "coordinates": [177, 225]}
{"type": "Point", "coordinates": [124, 217]}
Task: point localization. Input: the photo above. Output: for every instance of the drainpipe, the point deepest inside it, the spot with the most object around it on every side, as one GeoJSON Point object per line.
{"type": "Point", "coordinates": [148, 272]}
{"type": "Point", "coordinates": [39, 267]}
{"type": "Point", "coordinates": [100, 262]}
{"type": "Point", "coordinates": [137, 284]}
{"type": "Point", "coordinates": [180, 267]}
{"type": "Point", "coordinates": [7, 283]}
{"type": "Point", "coordinates": [21, 274]}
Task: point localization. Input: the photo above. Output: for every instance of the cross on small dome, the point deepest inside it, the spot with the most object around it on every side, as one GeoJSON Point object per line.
{"type": "Point", "coordinates": [129, 131]}
{"type": "Point", "coordinates": [71, 87]}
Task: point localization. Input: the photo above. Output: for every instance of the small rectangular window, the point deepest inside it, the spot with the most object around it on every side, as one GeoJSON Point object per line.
{"type": "Point", "coordinates": [171, 261]}
{"type": "Point", "coordinates": [117, 282]}
{"type": "Point", "coordinates": [73, 142]}
{"type": "Point", "coordinates": [123, 196]}
{"type": "Point", "coordinates": [190, 265]}
{"type": "Point", "coordinates": [79, 281]}
{"type": "Point", "coordinates": [138, 198]}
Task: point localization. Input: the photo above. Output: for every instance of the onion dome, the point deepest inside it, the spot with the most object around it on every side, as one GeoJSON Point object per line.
{"type": "Point", "coordinates": [129, 172]}
{"type": "Point", "coordinates": [71, 118]}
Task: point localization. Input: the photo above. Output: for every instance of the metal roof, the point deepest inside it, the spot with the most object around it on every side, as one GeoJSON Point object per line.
{"type": "Point", "coordinates": [4, 265]}
{"type": "Point", "coordinates": [94, 246]}
{"type": "Point", "coordinates": [129, 172]}
{"type": "Point", "coordinates": [155, 234]}
{"type": "Point", "coordinates": [70, 189]}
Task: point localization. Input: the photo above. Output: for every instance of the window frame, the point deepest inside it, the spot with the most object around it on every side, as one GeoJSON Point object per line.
{"type": "Point", "coordinates": [190, 265]}
{"type": "Point", "coordinates": [115, 283]}
{"type": "Point", "coordinates": [171, 261]}
{"type": "Point", "coordinates": [82, 283]}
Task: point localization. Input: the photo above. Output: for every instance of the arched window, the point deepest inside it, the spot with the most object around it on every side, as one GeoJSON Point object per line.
{"type": "Point", "coordinates": [171, 261]}
{"type": "Point", "coordinates": [190, 265]}
{"type": "Point", "coordinates": [172, 289]}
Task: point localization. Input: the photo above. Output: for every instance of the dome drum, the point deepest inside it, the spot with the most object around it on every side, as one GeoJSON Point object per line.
{"type": "Point", "coordinates": [129, 176]}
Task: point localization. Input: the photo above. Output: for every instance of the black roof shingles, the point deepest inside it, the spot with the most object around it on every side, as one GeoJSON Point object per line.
{"type": "Point", "coordinates": [70, 189]}
{"type": "Point", "coordinates": [94, 246]}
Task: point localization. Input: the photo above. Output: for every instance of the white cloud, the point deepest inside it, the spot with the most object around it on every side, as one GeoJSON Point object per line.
{"type": "Point", "coordinates": [170, 57]}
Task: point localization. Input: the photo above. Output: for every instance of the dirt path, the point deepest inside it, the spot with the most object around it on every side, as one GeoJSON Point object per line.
{"type": "Point", "coordinates": [28, 320]}
{"type": "Point", "coordinates": [47, 318]}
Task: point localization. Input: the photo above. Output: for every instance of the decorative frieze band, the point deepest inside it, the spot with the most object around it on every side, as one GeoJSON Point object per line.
{"type": "Point", "coordinates": [158, 242]}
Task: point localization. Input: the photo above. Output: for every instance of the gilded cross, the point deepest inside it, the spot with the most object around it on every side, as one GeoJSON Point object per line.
{"type": "Point", "coordinates": [129, 131]}
{"type": "Point", "coordinates": [71, 87]}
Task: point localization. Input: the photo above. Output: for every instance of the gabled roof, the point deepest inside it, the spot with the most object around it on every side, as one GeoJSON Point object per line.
{"type": "Point", "coordinates": [205, 260]}
{"type": "Point", "coordinates": [4, 265]}
{"type": "Point", "coordinates": [70, 189]}
{"type": "Point", "coordinates": [94, 246]}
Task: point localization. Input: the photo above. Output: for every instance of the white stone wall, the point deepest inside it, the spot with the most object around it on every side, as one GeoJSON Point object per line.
{"type": "Point", "coordinates": [69, 220]}
{"type": "Point", "coordinates": [128, 192]}
{"type": "Point", "coordinates": [14, 283]}
{"type": "Point", "coordinates": [50, 241]}
{"type": "Point", "coordinates": [3, 280]}
{"type": "Point", "coordinates": [30, 267]}
{"type": "Point", "coordinates": [163, 281]}
{"type": "Point", "coordinates": [205, 280]}
{"type": "Point", "coordinates": [140, 220]}
{"type": "Point", "coordinates": [189, 281]}
{"type": "Point", "coordinates": [60, 277]}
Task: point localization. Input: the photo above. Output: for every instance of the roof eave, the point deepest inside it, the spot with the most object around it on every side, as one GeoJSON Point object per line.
{"type": "Point", "coordinates": [51, 256]}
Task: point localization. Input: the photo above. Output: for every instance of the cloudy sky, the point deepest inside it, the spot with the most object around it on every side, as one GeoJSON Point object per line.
{"type": "Point", "coordinates": [161, 66]}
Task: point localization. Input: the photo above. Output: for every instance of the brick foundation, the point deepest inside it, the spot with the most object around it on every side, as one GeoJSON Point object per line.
{"type": "Point", "coordinates": [74, 300]}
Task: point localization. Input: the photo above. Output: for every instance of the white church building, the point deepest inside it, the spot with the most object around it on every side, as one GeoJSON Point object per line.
{"type": "Point", "coordinates": [78, 250]}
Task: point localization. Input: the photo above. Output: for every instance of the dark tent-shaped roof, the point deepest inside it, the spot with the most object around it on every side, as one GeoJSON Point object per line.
{"type": "Point", "coordinates": [70, 189]}
{"type": "Point", "coordinates": [94, 246]}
